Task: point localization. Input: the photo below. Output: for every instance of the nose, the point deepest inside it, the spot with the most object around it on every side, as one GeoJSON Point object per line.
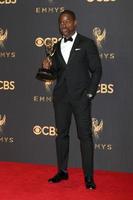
{"type": "Point", "coordinates": [63, 25]}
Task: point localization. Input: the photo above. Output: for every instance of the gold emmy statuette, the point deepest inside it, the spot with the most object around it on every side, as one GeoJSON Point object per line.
{"type": "Point", "coordinates": [47, 74]}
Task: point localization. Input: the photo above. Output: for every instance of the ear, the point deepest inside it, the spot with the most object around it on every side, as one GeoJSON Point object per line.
{"type": "Point", "coordinates": [75, 23]}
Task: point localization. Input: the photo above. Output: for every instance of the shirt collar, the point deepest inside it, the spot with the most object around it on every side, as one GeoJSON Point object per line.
{"type": "Point", "coordinates": [74, 35]}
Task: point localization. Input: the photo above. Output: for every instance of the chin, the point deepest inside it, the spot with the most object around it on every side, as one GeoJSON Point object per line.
{"type": "Point", "coordinates": [65, 34]}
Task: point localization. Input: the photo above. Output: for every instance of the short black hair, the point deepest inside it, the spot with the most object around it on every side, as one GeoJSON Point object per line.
{"type": "Point", "coordinates": [69, 12]}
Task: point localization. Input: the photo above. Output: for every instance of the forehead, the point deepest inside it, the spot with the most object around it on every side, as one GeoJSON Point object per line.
{"type": "Point", "coordinates": [66, 17]}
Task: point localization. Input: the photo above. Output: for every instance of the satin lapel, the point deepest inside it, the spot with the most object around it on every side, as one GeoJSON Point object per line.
{"type": "Point", "coordinates": [60, 54]}
{"type": "Point", "coordinates": [75, 45]}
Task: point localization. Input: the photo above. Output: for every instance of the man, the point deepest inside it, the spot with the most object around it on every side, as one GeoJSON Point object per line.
{"type": "Point", "coordinates": [77, 66]}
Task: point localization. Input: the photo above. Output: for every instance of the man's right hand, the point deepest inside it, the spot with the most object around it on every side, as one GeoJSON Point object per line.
{"type": "Point", "coordinates": [47, 63]}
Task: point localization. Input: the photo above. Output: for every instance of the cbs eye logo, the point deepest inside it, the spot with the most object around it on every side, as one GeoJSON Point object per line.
{"type": "Point", "coordinates": [45, 130]}
{"type": "Point", "coordinates": [39, 42]}
{"type": "Point", "coordinates": [8, 1]}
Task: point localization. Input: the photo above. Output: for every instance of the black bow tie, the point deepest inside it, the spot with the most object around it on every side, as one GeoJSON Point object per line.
{"type": "Point", "coordinates": [68, 39]}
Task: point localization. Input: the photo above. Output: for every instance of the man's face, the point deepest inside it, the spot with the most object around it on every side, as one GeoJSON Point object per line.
{"type": "Point", "coordinates": [67, 25]}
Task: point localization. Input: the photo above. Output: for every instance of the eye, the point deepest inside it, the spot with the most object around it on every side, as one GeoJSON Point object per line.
{"type": "Point", "coordinates": [68, 21]}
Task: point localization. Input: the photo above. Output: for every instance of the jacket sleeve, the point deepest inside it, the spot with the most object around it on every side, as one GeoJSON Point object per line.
{"type": "Point", "coordinates": [95, 67]}
{"type": "Point", "coordinates": [54, 68]}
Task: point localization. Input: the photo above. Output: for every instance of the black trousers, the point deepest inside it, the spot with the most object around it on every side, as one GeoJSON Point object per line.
{"type": "Point", "coordinates": [81, 109]}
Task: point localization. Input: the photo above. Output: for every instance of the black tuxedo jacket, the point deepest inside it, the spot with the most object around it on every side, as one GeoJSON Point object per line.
{"type": "Point", "coordinates": [83, 70]}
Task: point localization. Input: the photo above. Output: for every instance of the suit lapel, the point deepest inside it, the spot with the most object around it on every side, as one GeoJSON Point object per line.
{"type": "Point", "coordinates": [60, 54]}
{"type": "Point", "coordinates": [75, 45]}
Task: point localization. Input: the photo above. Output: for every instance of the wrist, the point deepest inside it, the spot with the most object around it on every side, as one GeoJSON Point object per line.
{"type": "Point", "coordinates": [89, 95]}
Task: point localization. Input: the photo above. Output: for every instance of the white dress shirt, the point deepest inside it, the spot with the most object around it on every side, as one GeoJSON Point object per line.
{"type": "Point", "coordinates": [66, 47]}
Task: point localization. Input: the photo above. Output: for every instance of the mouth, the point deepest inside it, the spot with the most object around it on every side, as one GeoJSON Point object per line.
{"type": "Point", "coordinates": [64, 30]}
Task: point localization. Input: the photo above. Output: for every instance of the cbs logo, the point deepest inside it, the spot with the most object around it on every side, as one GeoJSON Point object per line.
{"type": "Point", "coordinates": [45, 130]}
{"type": "Point", "coordinates": [39, 42]}
{"type": "Point", "coordinates": [8, 1]}
{"type": "Point", "coordinates": [90, 1]}
{"type": "Point", "coordinates": [105, 88]}
{"type": "Point", "coordinates": [7, 85]}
